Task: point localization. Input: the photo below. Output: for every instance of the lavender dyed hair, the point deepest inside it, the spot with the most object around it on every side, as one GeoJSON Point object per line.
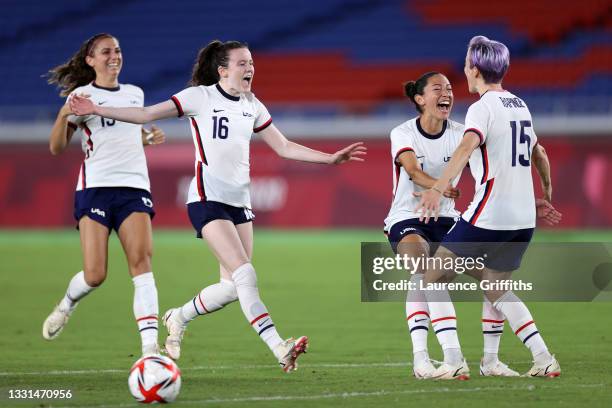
{"type": "Point", "coordinates": [492, 58]}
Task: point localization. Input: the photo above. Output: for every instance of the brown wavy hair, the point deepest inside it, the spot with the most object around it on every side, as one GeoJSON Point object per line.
{"type": "Point", "coordinates": [75, 72]}
{"type": "Point", "coordinates": [210, 58]}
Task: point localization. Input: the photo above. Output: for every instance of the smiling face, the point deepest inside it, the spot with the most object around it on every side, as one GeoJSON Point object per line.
{"type": "Point", "coordinates": [105, 58]}
{"type": "Point", "coordinates": [240, 70]}
{"type": "Point", "coordinates": [437, 98]}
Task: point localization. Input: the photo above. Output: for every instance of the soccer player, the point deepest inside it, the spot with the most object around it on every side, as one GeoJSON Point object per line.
{"type": "Point", "coordinates": [500, 144]}
{"type": "Point", "coordinates": [223, 114]}
{"type": "Point", "coordinates": [421, 148]}
{"type": "Point", "coordinates": [112, 190]}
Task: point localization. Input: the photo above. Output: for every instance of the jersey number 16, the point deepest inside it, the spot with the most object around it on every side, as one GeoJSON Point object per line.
{"type": "Point", "coordinates": [522, 138]}
{"type": "Point", "coordinates": [220, 129]}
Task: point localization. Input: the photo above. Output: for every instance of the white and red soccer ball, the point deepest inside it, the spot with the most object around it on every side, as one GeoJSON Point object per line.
{"type": "Point", "coordinates": [155, 379]}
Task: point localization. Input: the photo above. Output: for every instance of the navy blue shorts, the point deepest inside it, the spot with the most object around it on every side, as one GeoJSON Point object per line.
{"type": "Point", "coordinates": [203, 212]}
{"type": "Point", "coordinates": [432, 232]}
{"type": "Point", "coordinates": [504, 249]}
{"type": "Point", "coordinates": [110, 206]}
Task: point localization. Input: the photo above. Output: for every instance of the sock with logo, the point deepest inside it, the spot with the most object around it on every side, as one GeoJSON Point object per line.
{"type": "Point", "coordinates": [209, 300]}
{"type": "Point", "coordinates": [522, 324]}
{"type": "Point", "coordinates": [253, 308]}
{"type": "Point", "coordinates": [146, 310]}
{"type": "Point", "coordinates": [417, 318]}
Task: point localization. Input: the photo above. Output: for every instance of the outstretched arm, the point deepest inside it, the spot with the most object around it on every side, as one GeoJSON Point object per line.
{"type": "Point", "coordinates": [430, 199]}
{"type": "Point", "coordinates": [410, 163]}
{"type": "Point", "coordinates": [82, 105]}
{"type": "Point", "coordinates": [62, 131]}
{"type": "Point", "coordinates": [294, 151]}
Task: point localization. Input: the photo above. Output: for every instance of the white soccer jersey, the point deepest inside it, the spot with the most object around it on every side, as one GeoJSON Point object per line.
{"type": "Point", "coordinates": [501, 166]}
{"type": "Point", "coordinates": [114, 155]}
{"type": "Point", "coordinates": [221, 126]}
{"type": "Point", "coordinates": [433, 153]}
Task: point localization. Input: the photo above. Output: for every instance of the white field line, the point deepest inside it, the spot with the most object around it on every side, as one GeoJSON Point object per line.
{"type": "Point", "coordinates": [220, 367]}
{"type": "Point", "coordinates": [345, 395]}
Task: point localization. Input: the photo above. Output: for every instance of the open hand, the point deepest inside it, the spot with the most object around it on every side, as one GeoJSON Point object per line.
{"type": "Point", "coordinates": [81, 105]}
{"type": "Point", "coordinates": [547, 213]}
{"type": "Point", "coordinates": [429, 206]}
{"type": "Point", "coordinates": [349, 153]}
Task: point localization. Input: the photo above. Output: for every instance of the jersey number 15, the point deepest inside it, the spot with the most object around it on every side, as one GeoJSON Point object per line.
{"type": "Point", "coordinates": [522, 139]}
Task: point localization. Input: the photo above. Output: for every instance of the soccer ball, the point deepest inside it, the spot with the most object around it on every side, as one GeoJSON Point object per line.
{"type": "Point", "coordinates": [154, 379]}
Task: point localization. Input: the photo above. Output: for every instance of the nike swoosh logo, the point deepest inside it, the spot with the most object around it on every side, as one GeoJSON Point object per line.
{"type": "Point", "coordinates": [246, 114]}
{"type": "Point", "coordinates": [102, 103]}
{"type": "Point", "coordinates": [497, 327]}
{"type": "Point", "coordinates": [420, 320]}
{"type": "Point", "coordinates": [457, 372]}
{"type": "Point", "coordinates": [264, 322]}
{"type": "Point", "coordinates": [420, 157]}
{"type": "Point", "coordinates": [218, 110]}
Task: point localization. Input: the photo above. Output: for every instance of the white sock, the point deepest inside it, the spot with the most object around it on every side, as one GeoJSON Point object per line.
{"type": "Point", "coordinates": [522, 324]}
{"type": "Point", "coordinates": [146, 309]}
{"type": "Point", "coordinates": [418, 319]}
{"type": "Point", "coordinates": [210, 299]}
{"type": "Point", "coordinates": [77, 290]}
{"type": "Point", "coordinates": [444, 322]}
{"type": "Point", "coordinates": [253, 308]}
{"type": "Point", "coordinates": [492, 329]}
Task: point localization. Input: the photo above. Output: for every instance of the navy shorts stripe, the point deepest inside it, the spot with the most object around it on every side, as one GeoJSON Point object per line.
{"type": "Point", "coordinates": [530, 336]}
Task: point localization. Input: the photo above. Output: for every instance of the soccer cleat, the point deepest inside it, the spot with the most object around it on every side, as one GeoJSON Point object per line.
{"type": "Point", "coordinates": [452, 372]}
{"type": "Point", "coordinates": [423, 369]}
{"type": "Point", "coordinates": [176, 330]}
{"type": "Point", "coordinates": [54, 323]}
{"type": "Point", "coordinates": [288, 352]}
{"type": "Point", "coordinates": [498, 369]}
{"type": "Point", "coordinates": [550, 370]}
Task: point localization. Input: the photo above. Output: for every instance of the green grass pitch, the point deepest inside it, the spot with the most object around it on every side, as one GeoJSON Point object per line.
{"type": "Point", "coordinates": [359, 355]}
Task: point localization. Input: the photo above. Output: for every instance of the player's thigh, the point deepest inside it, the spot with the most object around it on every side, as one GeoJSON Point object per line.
{"type": "Point", "coordinates": [435, 272]}
{"type": "Point", "coordinates": [223, 239]}
{"type": "Point", "coordinates": [136, 237]}
{"type": "Point", "coordinates": [94, 246]}
{"type": "Point", "coordinates": [245, 232]}
{"type": "Point", "coordinates": [413, 246]}
{"type": "Point", "coordinates": [491, 276]}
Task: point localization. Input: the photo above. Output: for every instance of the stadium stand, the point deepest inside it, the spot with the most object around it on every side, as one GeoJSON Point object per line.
{"type": "Point", "coordinates": [340, 56]}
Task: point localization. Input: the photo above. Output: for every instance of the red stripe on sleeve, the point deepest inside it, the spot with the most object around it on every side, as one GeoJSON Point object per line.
{"type": "Point", "coordinates": [262, 127]}
{"type": "Point", "coordinates": [478, 132]}
{"type": "Point", "coordinates": [178, 105]}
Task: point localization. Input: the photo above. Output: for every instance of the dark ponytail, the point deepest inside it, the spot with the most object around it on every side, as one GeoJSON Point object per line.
{"type": "Point", "coordinates": [210, 58]}
{"type": "Point", "coordinates": [414, 88]}
{"type": "Point", "coordinates": [75, 72]}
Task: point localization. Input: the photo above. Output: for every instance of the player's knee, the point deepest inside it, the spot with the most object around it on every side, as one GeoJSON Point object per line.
{"type": "Point", "coordinates": [140, 263]}
{"type": "Point", "coordinates": [244, 276]}
{"type": "Point", "coordinates": [95, 276]}
{"type": "Point", "coordinates": [228, 291]}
